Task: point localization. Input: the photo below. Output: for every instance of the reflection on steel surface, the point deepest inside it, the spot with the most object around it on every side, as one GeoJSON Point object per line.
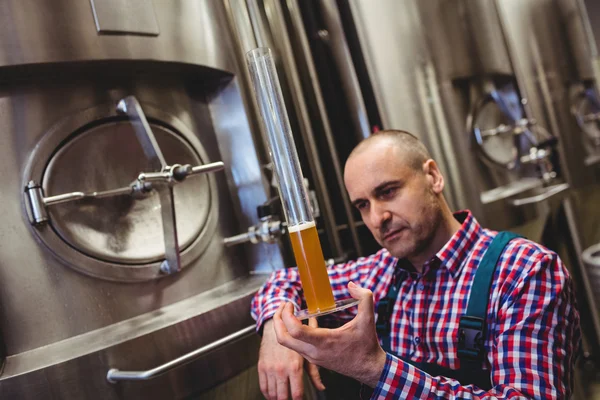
{"type": "Point", "coordinates": [547, 193]}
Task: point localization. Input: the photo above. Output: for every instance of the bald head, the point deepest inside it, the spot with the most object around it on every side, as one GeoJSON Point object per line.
{"type": "Point", "coordinates": [413, 152]}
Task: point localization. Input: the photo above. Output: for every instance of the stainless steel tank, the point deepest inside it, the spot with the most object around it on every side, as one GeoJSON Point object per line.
{"type": "Point", "coordinates": [402, 73]}
{"type": "Point", "coordinates": [448, 75]}
{"type": "Point", "coordinates": [555, 54]}
{"type": "Point", "coordinates": [112, 254]}
{"type": "Point", "coordinates": [582, 107]}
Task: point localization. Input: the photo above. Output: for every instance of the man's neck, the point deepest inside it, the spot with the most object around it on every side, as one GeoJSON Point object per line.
{"type": "Point", "coordinates": [448, 227]}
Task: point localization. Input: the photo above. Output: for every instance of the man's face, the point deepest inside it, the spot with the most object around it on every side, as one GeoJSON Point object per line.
{"type": "Point", "coordinates": [399, 205]}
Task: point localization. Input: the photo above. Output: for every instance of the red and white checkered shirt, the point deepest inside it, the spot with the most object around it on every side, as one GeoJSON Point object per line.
{"type": "Point", "coordinates": [533, 331]}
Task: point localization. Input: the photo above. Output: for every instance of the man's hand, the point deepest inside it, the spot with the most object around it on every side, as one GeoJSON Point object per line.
{"type": "Point", "coordinates": [352, 350]}
{"type": "Point", "coordinates": [280, 369]}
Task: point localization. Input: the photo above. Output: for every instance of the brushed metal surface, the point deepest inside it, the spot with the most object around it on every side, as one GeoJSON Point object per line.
{"type": "Point", "coordinates": [466, 38]}
{"type": "Point", "coordinates": [487, 38]}
{"type": "Point", "coordinates": [593, 11]}
{"type": "Point", "coordinates": [448, 37]}
{"type": "Point", "coordinates": [193, 32]}
{"type": "Point", "coordinates": [346, 69]}
{"type": "Point", "coordinates": [245, 177]}
{"type": "Point", "coordinates": [132, 17]}
{"type": "Point", "coordinates": [76, 368]}
{"type": "Point", "coordinates": [582, 43]}
{"type": "Point", "coordinates": [198, 306]}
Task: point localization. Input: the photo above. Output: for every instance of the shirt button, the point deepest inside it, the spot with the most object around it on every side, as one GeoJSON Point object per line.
{"type": "Point", "coordinates": [417, 340]}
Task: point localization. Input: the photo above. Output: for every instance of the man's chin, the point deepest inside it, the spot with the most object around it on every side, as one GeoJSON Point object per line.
{"type": "Point", "coordinates": [397, 250]}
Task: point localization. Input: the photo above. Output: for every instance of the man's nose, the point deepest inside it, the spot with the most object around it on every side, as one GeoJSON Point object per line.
{"type": "Point", "coordinates": [380, 214]}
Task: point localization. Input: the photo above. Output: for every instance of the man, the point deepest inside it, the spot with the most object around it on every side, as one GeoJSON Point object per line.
{"type": "Point", "coordinates": [529, 331]}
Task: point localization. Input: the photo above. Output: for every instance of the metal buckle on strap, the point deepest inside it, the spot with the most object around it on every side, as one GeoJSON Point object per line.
{"type": "Point", "coordinates": [470, 338]}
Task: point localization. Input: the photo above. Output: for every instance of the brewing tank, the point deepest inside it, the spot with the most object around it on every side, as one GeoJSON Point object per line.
{"type": "Point", "coordinates": [128, 161]}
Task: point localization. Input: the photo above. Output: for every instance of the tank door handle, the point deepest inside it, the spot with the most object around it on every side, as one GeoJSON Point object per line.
{"type": "Point", "coordinates": [114, 375]}
{"type": "Point", "coordinates": [548, 193]}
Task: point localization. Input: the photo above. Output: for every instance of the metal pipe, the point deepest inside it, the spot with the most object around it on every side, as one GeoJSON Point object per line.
{"type": "Point", "coordinates": [587, 26]}
{"type": "Point", "coordinates": [257, 26]}
{"type": "Point", "coordinates": [114, 375]}
{"type": "Point", "coordinates": [212, 167]}
{"type": "Point", "coordinates": [519, 74]}
{"type": "Point", "coordinates": [237, 239]}
{"type": "Point", "coordinates": [345, 66]}
{"type": "Point", "coordinates": [172, 262]}
{"type": "Point", "coordinates": [297, 25]}
{"type": "Point", "coordinates": [239, 18]}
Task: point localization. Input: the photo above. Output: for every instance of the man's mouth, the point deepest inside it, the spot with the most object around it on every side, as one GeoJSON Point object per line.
{"type": "Point", "coordinates": [392, 234]}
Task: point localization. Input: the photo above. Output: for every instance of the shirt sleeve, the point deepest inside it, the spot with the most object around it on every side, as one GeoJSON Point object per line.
{"type": "Point", "coordinates": [284, 285]}
{"type": "Point", "coordinates": [536, 340]}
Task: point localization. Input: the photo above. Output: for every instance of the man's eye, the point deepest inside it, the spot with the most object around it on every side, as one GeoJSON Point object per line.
{"type": "Point", "coordinates": [388, 192]}
{"type": "Point", "coordinates": [361, 206]}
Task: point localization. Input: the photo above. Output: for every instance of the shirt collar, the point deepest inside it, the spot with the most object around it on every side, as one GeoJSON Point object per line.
{"type": "Point", "coordinates": [457, 249]}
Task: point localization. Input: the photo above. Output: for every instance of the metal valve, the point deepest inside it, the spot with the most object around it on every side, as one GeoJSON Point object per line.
{"type": "Point", "coordinates": [268, 230]}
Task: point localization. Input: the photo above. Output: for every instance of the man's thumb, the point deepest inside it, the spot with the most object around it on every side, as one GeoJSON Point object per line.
{"type": "Point", "coordinates": [364, 295]}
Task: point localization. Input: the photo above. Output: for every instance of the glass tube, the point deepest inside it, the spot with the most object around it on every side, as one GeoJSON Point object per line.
{"type": "Point", "coordinates": [294, 196]}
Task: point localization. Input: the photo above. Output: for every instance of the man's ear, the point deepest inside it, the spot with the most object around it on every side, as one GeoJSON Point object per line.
{"type": "Point", "coordinates": [434, 176]}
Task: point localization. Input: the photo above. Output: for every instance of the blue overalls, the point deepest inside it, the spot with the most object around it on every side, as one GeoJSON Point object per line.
{"type": "Point", "coordinates": [472, 328]}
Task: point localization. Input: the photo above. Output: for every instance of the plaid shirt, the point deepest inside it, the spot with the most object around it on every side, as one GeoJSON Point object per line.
{"type": "Point", "coordinates": [532, 324]}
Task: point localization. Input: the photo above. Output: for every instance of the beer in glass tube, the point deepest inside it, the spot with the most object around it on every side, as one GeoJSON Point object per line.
{"type": "Point", "coordinates": [311, 266]}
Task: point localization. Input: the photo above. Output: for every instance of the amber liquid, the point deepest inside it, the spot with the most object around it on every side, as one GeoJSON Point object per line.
{"type": "Point", "coordinates": [311, 265]}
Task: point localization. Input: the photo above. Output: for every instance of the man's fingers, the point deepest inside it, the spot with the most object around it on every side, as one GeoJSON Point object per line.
{"type": "Point", "coordinates": [263, 382]}
{"type": "Point", "coordinates": [272, 388]}
{"type": "Point", "coordinates": [315, 376]}
{"type": "Point", "coordinates": [296, 384]}
{"type": "Point", "coordinates": [304, 334]}
{"type": "Point", "coordinates": [289, 330]}
{"type": "Point", "coordinates": [283, 388]}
